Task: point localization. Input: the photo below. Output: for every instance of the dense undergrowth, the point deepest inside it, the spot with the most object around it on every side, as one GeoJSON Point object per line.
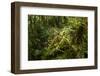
{"type": "Point", "coordinates": [57, 37]}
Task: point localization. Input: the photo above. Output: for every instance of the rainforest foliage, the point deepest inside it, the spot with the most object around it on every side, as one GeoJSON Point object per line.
{"type": "Point", "coordinates": [57, 37]}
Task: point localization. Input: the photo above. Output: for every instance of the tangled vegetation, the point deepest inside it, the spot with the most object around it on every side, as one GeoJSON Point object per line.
{"type": "Point", "coordinates": [57, 37]}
